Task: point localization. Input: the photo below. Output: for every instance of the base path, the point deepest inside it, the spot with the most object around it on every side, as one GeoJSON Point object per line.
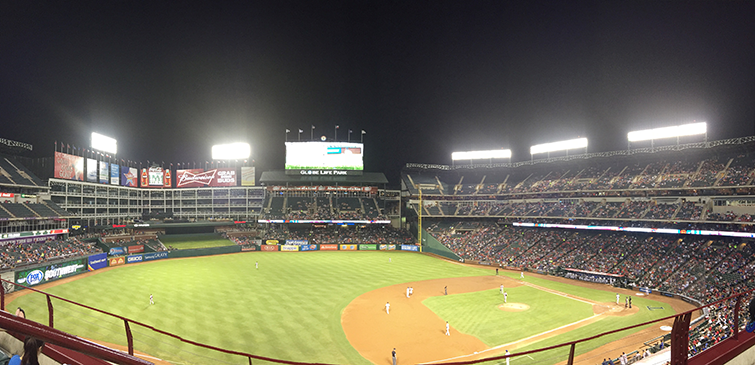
{"type": "Point", "coordinates": [418, 334]}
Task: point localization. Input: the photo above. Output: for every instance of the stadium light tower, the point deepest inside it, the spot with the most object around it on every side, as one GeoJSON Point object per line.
{"type": "Point", "coordinates": [692, 129]}
{"type": "Point", "coordinates": [231, 151]}
{"type": "Point", "coordinates": [558, 146]}
{"type": "Point", "coordinates": [104, 143]}
{"type": "Point", "coordinates": [480, 155]}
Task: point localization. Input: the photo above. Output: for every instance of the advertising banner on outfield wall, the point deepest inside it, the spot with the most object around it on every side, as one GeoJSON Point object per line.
{"type": "Point", "coordinates": [245, 248]}
{"type": "Point", "coordinates": [329, 247]}
{"type": "Point", "coordinates": [134, 258]}
{"type": "Point", "coordinates": [289, 248]}
{"type": "Point", "coordinates": [116, 251]}
{"type": "Point", "coordinates": [645, 290]}
{"type": "Point", "coordinates": [387, 247]}
{"type": "Point", "coordinates": [69, 167]}
{"type": "Point", "coordinates": [117, 261]}
{"type": "Point", "coordinates": [409, 248]}
{"type": "Point", "coordinates": [97, 261]}
{"type": "Point", "coordinates": [275, 242]}
{"type": "Point", "coordinates": [155, 256]}
{"type": "Point", "coordinates": [269, 247]}
{"type": "Point", "coordinates": [9, 287]}
{"type": "Point", "coordinates": [297, 242]}
{"type": "Point", "coordinates": [43, 274]}
{"type": "Point", "coordinates": [136, 249]}
{"type": "Point", "coordinates": [367, 247]}
{"type": "Point", "coordinates": [348, 247]}
{"type": "Point", "coordinates": [308, 247]}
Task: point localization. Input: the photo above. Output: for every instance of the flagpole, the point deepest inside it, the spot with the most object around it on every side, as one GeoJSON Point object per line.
{"type": "Point", "coordinates": [300, 134]}
{"type": "Point", "coordinates": [335, 134]}
{"type": "Point", "coordinates": [361, 138]}
{"type": "Point", "coordinates": [312, 134]}
{"type": "Point", "coordinates": [287, 134]}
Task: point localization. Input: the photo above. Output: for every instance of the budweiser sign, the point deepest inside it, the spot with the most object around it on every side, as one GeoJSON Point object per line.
{"type": "Point", "coordinates": [196, 178]}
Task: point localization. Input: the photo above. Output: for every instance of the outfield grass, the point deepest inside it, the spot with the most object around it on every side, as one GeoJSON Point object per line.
{"type": "Point", "coordinates": [187, 241]}
{"type": "Point", "coordinates": [290, 308]}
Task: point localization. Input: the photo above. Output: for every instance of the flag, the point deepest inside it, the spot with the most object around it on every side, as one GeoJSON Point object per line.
{"type": "Point", "coordinates": [349, 130]}
{"type": "Point", "coordinates": [363, 132]}
{"type": "Point", "coordinates": [313, 127]}
{"type": "Point", "coordinates": [336, 126]}
{"type": "Point", "coordinates": [301, 131]}
{"type": "Point", "coordinates": [288, 130]}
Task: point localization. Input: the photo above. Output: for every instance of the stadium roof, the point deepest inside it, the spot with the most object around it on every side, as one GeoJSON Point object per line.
{"type": "Point", "coordinates": [280, 177]}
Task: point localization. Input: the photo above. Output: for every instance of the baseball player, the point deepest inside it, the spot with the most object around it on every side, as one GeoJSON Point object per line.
{"type": "Point", "coordinates": [617, 298]}
{"type": "Point", "coordinates": [521, 275]}
{"type": "Point", "coordinates": [501, 288]}
{"type": "Point", "coordinates": [505, 297]}
{"type": "Point", "coordinates": [496, 271]}
{"type": "Point", "coordinates": [411, 290]}
{"type": "Point", "coordinates": [507, 359]}
{"type": "Point", "coordinates": [151, 299]}
{"type": "Point", "coordinates": [445, 290]}
{"type": "Point", "coordinates": [256, 265]}
{"type": "Point", "coordinates": [387, 308]}
{"type": "Point", "coordinates": [630, 302]}
{"type": "Point", "coordinates": [448, 329]}
{"type": "Point", "coordinates": [393, 355]}
{"type": "Point", "coordinates": [626, 302]}
{"type": "Point", "coordinates": [407, 292]}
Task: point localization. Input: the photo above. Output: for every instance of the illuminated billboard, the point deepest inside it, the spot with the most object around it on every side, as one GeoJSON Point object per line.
{"type": "Point", "coordinates": [155, 177]}
{"type": "Point", "coordinates": [129, 176]}
{"type": "Point", "coordinates": [197, 178]}
{"type": "Point", "coordinates": [104, 172]}
{"type": "Point", "coordinates": [324, 158]}
{"type": "Point", "coordinates": [91, 170]}
{"type": "Point", "coordinates": [114, 174]}
{"type": "Point", "coordinates": [247, 176]}
{"type": "Point", "coordinates": [69, 167]}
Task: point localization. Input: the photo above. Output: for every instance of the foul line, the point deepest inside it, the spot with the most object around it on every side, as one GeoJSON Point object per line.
{"type": "Point", "coordinates": [559, 293]}
{"type": "Point", "coordinates": [518, 341]}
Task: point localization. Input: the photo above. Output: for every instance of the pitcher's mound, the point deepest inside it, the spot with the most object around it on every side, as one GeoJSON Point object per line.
{"type": "Point", "coordinates": [513, 307]}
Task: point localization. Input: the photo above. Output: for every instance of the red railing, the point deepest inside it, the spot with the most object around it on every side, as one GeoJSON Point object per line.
{"type": "Point", "coordinates": [679, 333]}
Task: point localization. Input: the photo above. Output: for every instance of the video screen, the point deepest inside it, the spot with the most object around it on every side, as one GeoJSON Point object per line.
{"type": "Point", "coordinates": [324, 158]}
{"type": "Point", "coordinates": [69, 167]}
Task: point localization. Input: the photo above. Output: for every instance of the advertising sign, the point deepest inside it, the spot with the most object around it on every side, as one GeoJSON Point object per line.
{"type": "Point", "coordinates": [387, 247]}
{"type": "Point", "coordinates": [297, 242]}
{"type": "Point", "coordinates": [348, 247]}
{"type": "Point", "coordinates": [134, 258]}
{"type": "Point", "coordinates": [245, 248]}
{"type": "Point", "coordinates": [114, 174]}
{"type": "Point", "coordinates": [129, 176]}
{"type": "Point", "coordinates": [409, 248]}
{"type": "Point", "coordinates": [197, 178]}
{"type": "Point", "coordinates": [326, 189]}
{"type": "Point", "coordinates": [155, 256]}
{"type": "Point", "coordinates": [247, 176]}
{"type": "Point", "coordinates": [269, 247]}
{"type": "Point", "coordinates": [116, 251]}
{"type": "Point", "coordinates": [43, 274]}
{"type": "Point", "coordinates": [97, 261]}
{"type": "Point", "coordinates": [289, 248]}
{"type": "Point", "coordinates": [308, 247]}
{"type": "Point", "coordinates": [91, 170]}
{"type": "Point", "coordinates": [329, 247]}
{"type": "Point", "coordinates": [117, 261]}
{"type": "Point", "coordinates": [272, 242]}
{"type": "Point", "coordinates": [104, 172]}
{"type": "Point", "coordinates": [645, 290]}
{"type": "Point", "coordinates": [9, 287]}
{"type": "Point", "coordinates": [167, 182]}
{"type": "Point", "coordinates": [135, 248]}
{"type": "Point", "coordinates": [69, 167]}
{"type": "Point", "coordinates": [324, 158]}
{"type": "Point", "coordinates": [367, 247]}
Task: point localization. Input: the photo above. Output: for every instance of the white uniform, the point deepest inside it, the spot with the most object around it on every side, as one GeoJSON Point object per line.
{"type": "Point", "coordinates": [617, 298]}
{"type": "Point", "coordinates": [411, 290]}
{"type": "Point", "coordinates": [501, 288]}
{"type": "Point", "coordinates": [521, 275]}
{"type": "Point", "coordinates": [256, 265]}
{"type": "Point", "coordinates": [507, 359]}
{"type": "Point", "coordinates": [387, 308]}
{"type": "Point", "coordinates": [448, 329]}
{"type": "Point", "coordinates": [150, 299]}
{"type": "Point", "coordinates": [505, 297]}
{"type": "Point", "coordinates": [407, 292]}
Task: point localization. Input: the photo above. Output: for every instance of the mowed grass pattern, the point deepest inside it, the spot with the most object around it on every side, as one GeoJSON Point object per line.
{"type": "Point", "coordinates": [289, 308]}
{"type": "Point", "coordinates": [477, 313]}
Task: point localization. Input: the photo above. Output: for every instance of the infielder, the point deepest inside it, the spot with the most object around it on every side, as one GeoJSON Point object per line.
{"type": "Point", "coordinates": [151, 301]}
{"type": "Point", "coordinates": [617, 298]}
{"type": "Point", "coordinates": [521, 275]}
{"type": "Point", "coordinates": [407, 292]}
{"type": "Point", "coordinates": [387, 308]}
{"type": "Point", "coordinates": [448, 329]}
{"type": "Point", "coordinates": [501, 288]}
{"type": "Point", "coordinates": [411, 290]}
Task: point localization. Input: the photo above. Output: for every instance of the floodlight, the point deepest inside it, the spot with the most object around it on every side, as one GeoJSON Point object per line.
{"type": "Point", "coordinates": [479, 155]}
{"type": "Point", "coordinates": [231, 151]}
{"type": "Point", "coordinates": [559, 146]}
{"type": "Point", "coordinates": [104, 143]}
{"type": "Point", "coordinates": [668, 132]}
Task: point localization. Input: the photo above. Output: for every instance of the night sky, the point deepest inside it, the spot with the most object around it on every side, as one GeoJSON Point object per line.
{"type": "Point", "coordinates": [422, 78]}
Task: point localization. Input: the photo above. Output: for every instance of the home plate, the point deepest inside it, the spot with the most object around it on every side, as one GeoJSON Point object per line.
{"type": "Point", "coordinates": [666, 328]}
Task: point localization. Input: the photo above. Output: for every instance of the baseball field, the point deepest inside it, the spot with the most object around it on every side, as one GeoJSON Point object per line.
{"type": "Point", "coordinates": [329, 307]}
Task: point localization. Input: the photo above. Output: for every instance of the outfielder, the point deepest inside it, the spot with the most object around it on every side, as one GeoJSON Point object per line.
{"type": "Point", "coordinates": [448, 329]}
{"type": "Point", "coordinates": [151, 301]}
{"type": "Point", "coordinates": [256, 264]}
